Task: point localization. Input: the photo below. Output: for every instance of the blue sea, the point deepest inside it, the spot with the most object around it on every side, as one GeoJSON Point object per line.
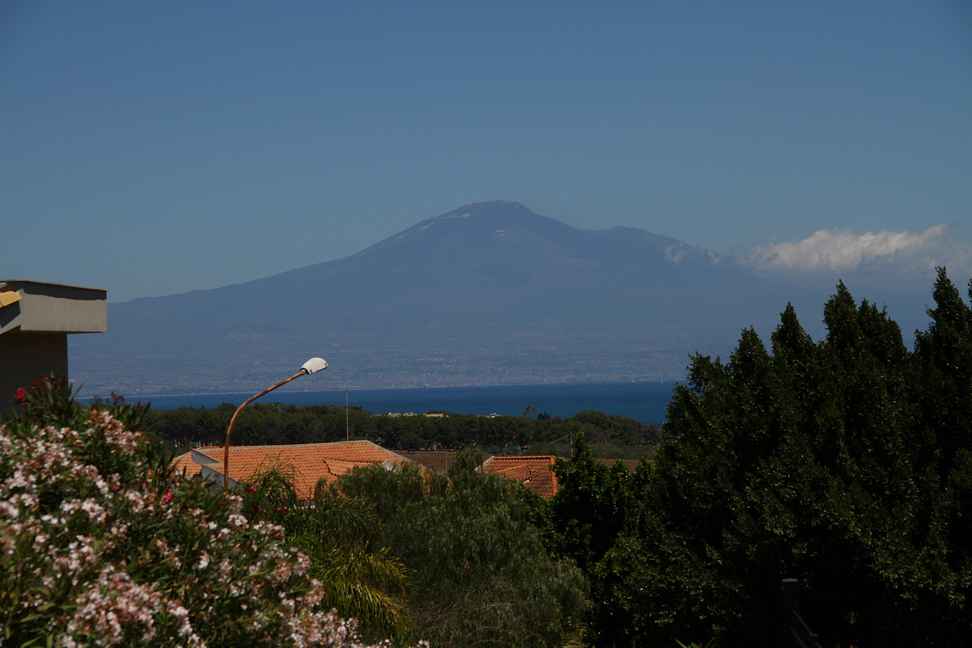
{"type": "Point", "coordinates": [642, 401]}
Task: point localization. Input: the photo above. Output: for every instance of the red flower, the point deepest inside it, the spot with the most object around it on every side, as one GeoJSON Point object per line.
{"type": "Point", "coordinates": [168, 496]}
{"type": "Point", "coordinates": [21, 395]}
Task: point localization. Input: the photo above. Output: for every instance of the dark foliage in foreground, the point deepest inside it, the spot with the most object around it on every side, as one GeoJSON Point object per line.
{"type": "Point", "coordinates": [846, 463]}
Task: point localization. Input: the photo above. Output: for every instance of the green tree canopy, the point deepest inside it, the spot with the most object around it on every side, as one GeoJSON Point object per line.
{"type": "Point", "coordinates": [480, 573]}
{"type": "Point", "coordinates": [844, 463]}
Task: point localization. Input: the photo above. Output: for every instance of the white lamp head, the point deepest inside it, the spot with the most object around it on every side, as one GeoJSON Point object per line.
{"type": "Point", "coordinates": [314, 364]}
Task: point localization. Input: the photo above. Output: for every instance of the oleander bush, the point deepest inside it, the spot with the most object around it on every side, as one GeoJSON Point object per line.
{"type": "Point", "coordinates": [101, 544]}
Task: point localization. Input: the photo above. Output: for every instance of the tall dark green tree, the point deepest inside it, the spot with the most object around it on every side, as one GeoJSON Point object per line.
{"type": "Point", "coordinates": [589, 508]}
{"type": "Point", "coordinates": [843, 462]}
{"type": "Point", "coordinates": [944, 370]}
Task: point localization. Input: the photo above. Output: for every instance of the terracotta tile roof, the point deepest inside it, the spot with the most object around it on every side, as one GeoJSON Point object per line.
{"type": "Point", "coordinates": [535, 472]}
{"type": "Point", "coordinates": [307, 462]}
{"type": "Point", "coordinates": [185, 465]}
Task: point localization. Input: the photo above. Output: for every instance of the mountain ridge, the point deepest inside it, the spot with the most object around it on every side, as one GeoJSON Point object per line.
{"type": "Point", "coordinates": [487, 293]}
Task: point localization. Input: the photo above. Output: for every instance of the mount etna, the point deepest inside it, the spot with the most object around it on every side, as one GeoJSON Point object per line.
{"type": "Point", "coordinates": [489, 293]}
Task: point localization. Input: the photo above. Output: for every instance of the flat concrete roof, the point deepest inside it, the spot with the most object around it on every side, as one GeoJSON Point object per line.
{"type": "Point", "coordinates": [43, 307]}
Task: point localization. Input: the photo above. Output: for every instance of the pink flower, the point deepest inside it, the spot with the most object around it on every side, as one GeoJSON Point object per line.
{"type": "Point", "coordinates": [168, 496]}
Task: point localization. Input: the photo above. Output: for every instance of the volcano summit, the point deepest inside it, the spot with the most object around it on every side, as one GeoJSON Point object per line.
{"type": "Point", "coordinates": [489, 293]}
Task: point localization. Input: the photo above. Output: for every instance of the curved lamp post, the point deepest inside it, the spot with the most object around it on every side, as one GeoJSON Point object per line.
{"type": "Point", "coordinates": [309, 367]}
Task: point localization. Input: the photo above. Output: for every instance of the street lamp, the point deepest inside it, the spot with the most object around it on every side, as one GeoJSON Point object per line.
{"type": "Point", "coordinates": [309, 367]}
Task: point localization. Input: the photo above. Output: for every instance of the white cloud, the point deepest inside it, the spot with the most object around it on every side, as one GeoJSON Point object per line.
{"type": "Point", "coordinates": [836, 252]}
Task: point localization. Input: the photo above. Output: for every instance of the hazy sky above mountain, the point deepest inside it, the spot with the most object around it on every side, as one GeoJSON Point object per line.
{"type": "Point", "coordinates": [154, 147]}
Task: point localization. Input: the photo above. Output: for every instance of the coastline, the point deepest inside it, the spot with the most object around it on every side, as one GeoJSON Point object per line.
{"type": "Point", "coordinates": [644, 401]}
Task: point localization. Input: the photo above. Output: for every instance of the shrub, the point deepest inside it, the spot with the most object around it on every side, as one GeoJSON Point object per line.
{"type": "Point", "coordinates": [101, 544]}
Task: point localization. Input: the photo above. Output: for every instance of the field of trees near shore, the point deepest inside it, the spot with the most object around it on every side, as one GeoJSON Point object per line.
{"type": "Point", "coordinates": [613, 436]}
{"type": "Point", "coordinates": [844, 462]}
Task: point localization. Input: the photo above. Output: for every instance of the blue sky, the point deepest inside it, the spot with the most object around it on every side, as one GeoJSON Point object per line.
{"type": "Point", "coordinates": [152, 148]}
